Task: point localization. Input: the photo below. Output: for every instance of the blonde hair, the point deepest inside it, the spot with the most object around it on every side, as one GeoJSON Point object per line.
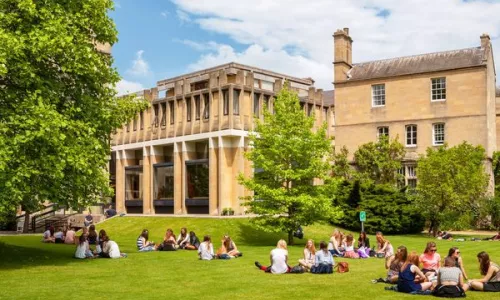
{"type": "Point", "coordinates": [313, 248]}
{"type": "Point", "coordinates": [281, 244]}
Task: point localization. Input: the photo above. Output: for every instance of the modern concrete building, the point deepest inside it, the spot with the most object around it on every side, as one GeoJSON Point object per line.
{"type": "Point", "coordinates": [425, 100]}
{"type": "Point", "coordinates": [183, 154]}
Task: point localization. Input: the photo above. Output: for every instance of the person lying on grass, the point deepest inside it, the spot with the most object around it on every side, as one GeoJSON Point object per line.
{"type": "Point", "coordinates": [278, 258]}
{"type": "Point", "coordinates": [491, 272]}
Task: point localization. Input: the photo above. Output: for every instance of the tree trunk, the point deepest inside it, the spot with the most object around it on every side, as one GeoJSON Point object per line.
{"type": "Point", "coordinates": [290, 237]}
{"type": "Point", "coordinates": [26, 226]}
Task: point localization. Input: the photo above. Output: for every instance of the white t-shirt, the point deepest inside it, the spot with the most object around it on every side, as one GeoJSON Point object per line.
{"type": "Point", "coordinates": [111, 248]}
{"type": "Point", "coordinates": [46, 234]}
{"type": "Point", "coordinates": [279, 265]}
{"type": "Point", "coordinates": [206, 251]}
{"type": "Point", "coordinates": [81, 249]}
{"type": "Point", "coordinates": [59, 235]}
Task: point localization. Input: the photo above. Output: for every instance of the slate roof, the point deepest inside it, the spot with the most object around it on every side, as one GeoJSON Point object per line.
{"type": "Point", "coordinates": [423, 63]}
{"type": "Point", "coordinates": [329, 98]}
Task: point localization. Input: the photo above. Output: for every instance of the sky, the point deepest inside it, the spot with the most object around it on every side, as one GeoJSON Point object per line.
{"type": "Point", "coordinates": [159, 39]}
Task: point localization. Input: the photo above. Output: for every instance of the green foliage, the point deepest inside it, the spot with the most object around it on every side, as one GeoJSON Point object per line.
{"type": "Point", "coordinates": [379, 162]}
{"type": "Point", "coordinates": [57, 102]}
{"type": "Point", "coordinates": [452, 182]}
{"type": "Point", "coordinates": [291, 155]}
{"type": "Point", "coordinates": [388, 209]}
{"type": "Point", "coordinates": [341, 166]}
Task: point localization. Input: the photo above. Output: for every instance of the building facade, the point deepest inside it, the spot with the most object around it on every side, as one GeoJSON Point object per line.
{"type": "Point", "coordinates": [423, 100]}
{"type": "Point", "coordinates": [184, 153]}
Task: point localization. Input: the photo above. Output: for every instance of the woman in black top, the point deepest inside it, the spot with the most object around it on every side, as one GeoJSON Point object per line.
{"type": "Point", "coordinates": [193, 243]}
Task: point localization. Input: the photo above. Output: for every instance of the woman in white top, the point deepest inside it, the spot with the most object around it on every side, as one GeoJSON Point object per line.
{"type": "Point", "coordinates": [206, 249]}
{"type": "Point", "coordinates": [110, 249]}
{"type": "Point", "coordinates": [279, 260]}
{"type": "Point", "coordinates": [309, 255]}
{"type": "Point", "coordinates": [83, 250]}
{"type": "Point", "coordinates": [48, 235]}
{"type": "Point", "coordinates": [183, 238]}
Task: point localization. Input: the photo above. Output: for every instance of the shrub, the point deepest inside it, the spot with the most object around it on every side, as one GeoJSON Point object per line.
{"type": "Point", "coordinates": [388, 209]}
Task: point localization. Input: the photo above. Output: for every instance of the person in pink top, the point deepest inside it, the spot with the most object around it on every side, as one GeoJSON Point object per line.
{"type": "Point", "coordinates": [70, 236]}
{"type": "Point", "coordinates": [430, 260]}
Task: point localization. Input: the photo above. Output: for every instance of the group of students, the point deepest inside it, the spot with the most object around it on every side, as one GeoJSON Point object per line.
{"type": "Point", "coordinates": [189, 241]}
{"type": "Point", "coordinates": [89, 244]}
{"type": "Point", "coordinates": [424, 274]}
{"type": "Point", "coordinates": [342, 245]}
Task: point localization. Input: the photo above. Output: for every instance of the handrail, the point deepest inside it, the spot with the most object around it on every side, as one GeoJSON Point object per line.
{"type": "Point", "coordinates": [56, 222]}
{"type": "Point", "coordinates": [35, 213]}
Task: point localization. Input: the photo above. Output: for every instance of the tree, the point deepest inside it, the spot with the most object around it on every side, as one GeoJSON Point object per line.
{"type": "Point", "coordinates": [451, 181]}
{"type": "Point", "coordinates": [57, 102]}
{"type": "Point", "coordinates": [291, 155]}
{"type": "Point", "coordinates": [341, 165]}
{"type": "Point", "coordinates": [379, 161]}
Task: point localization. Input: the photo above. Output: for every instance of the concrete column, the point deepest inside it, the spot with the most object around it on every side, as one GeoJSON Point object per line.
{"type": "Point", "coordinates": [238, 167]}
{"type": "Point", "coordinates": [178, 179]}
{"type": "Point", "coordinates": [146, 181]}
{"type": "Point", "coordinates": [120, 181]}
{"type": "Point", "coordinates": [213, 151]}
{"type": "Point", "coordinates": [225, 172]}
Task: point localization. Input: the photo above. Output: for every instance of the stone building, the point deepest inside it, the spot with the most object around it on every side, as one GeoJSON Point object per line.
{"type": "Point", "coordinates": [425, 100]}
{"type": "Point", "coordinates": [183, 154]}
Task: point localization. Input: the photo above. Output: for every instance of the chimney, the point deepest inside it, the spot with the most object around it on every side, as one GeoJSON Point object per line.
{"type": "Point", "coordinates": [485, 40]}
{"type": "Point", "coordinates": [342, 62]}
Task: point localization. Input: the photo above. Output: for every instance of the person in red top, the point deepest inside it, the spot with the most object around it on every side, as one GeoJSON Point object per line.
{"type": "Point", "coordinates": [430, 260]}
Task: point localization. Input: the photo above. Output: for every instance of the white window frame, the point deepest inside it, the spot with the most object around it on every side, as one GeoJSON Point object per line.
{"type": "Point", "coordinates": [377, 93]}
{"type": "Point", "coordinates": [379, 134]}
{"type": "Point", "coordinates": [411, 171]}
{"type": "Point", "coordinates": [414, 136]}
{"type": "Point", "coordinates": [434, 143]}
{"type": "Point", "coordinates": [441, 89]}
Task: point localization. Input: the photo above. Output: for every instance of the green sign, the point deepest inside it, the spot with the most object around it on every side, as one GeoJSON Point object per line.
{"type": "Point", "coordinates": [362, 216]}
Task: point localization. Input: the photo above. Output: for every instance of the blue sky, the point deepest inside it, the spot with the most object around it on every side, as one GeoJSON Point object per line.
{"type": "Point", "coordinates": [159, 39]}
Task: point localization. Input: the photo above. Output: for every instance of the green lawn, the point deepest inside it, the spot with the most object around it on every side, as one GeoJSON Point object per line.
{"type": "Point", "coordinates": [30, 269]}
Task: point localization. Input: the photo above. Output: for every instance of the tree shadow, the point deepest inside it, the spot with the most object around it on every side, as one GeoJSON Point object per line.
{"type": "Point", "coordinates": [254, 237]}
{"type": "Point", "coordinates": [16, 256]}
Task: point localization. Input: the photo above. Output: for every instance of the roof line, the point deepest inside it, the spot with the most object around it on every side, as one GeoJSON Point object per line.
{"type": "Point", "coordinates": [236, 65]}
{"type": "Point", "coordinates": [414, 55]}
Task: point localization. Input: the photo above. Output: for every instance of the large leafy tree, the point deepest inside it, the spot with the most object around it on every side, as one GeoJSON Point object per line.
{"type": "Point", "coordinates": [452, 181]}
{"type": "Point", "coordinates": [57, 102]}
{"type": "Point", "coordinates": [379, 161]}
{"type": "Point", "coordinates": [289, 155]}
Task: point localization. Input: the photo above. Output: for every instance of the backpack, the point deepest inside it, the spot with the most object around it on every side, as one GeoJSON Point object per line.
{"type": "Point", "coordinates": [298, 269]}
{"type": "Point", "coordinates": [342, 267]}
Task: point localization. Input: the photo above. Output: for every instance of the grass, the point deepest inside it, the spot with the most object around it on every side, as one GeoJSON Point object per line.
{"type": "Point", "coordinates": [30, 269]}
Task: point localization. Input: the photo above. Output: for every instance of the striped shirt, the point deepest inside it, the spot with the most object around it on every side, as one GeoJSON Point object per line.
{"type": "Point", "coordinates": [141, 242]}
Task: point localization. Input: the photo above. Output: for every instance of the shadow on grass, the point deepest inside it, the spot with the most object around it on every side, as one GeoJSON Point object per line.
{"type": "Point", "coordinates": [254, 237]}
{"type": "Point", "coordinates": [17, 257]}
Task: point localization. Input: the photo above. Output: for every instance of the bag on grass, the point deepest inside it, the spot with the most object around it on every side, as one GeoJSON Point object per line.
{"type": "Point", "coordinates": [298, 269]}
{"type": "Point", "coordinates": [342, 267]}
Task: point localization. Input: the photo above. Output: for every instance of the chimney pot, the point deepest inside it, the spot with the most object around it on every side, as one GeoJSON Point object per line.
{"type": "Point", "coordinates": [485, 40]}
{"type": "Point", "coordinates": [346, 30]}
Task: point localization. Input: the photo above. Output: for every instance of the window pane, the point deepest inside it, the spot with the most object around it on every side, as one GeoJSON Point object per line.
{"type": "Point", "coordinates": [378, 94]}
{"type": "Point", "coordinates": [188, 109]}
{"type": "Point", "coordinates": [164, 183]}
{"type": "Point", "coordinates": [197, 107]}
{"type": "Point", "coordinates": [163, 114]}
{"type": "Point", "coordinates": [256, 109]}
{"type": "Point", "coordinates": [142, 119]}
{"type": "Point", "coordinates": [236, 102]}
{"type": "Point", "coordinates": [172, 112]}
{"type": "Point", "coordinates": [156, 111]}
{"type": "Point", "coordinates": [133, 184]}
{"type": "Point", "coordinates": [197, 180]}
{"type": "Point", "coordinates": [438, 86]}
{"type": "Point", "coordinates": [206, 99]}
{"type": "Point", "coordinates": [225, 99]}
{"type": "Point", "coordinates": [438, 134]}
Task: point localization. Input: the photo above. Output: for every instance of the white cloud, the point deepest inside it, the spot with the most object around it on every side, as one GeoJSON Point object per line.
{"type": "Point", "coordinates": [198, 46]}
{"type": "Point", "coordinates": [140, 67]}
{"type": "Point", "coordinates": [183, 16]}
{"type": "Point", "coordinates": [124, 87]}
{"type": "Point", "coordinates": [404, 28]}
{"type": "Point", "coordinates": [164, 14]}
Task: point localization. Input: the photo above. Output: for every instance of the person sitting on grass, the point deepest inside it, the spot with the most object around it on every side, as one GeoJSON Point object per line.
{"type": "Point", "coordinates": [491, 272]}
{"type": "Point", "coordinates": [323, 261]}
{"type": "Point", "coordinates": [450, 280]}
{"type": "Point", "coordinates": [193, 243]}
{"type": "Point", "coordinates": [69, 236]}
{"type": "Point", "coordinates": [48, 235]}
{"type": "Point", "coordinates": [335, 246]}
{"type": "Point", "coordinates": [83, 249]}
{"type": "Point", "coordinates": [143, 243]}
{"type": "Point", "coordinates": [384, 247]}
{"type": "Point", "coordinates": [393, 266]}
{"type": "Point", "coordinates": [349, 247]}
{"type": "Point", "coordinates": [230, 246]}
{"type": "Point", "coordinates": [110, 249]}
{"type": "Point", "coordinates": [169, 242]}
{"type": "Point", "coordinates": [183, 238]}
{"type": "Point", "coordinates": [100, 241]}
{"type": "Point", "coordinates": [431, 260]}
{"type": "Point", "coordinates": [92, 237]}
{"type": "Point", "coordinates": [309, 256]}
{"type": "Point", "coordinates": [59, 236]}
{"type": "Point", "coordinates": [363, 245]}
{"type": "Point", "coordinates": [454, 253]}
{"type": "Point", "coordinates": [279, 260]}
{"type": "Point", "coordinates": [206, 249]}
{"type": "Point", "coordinates": [406, 279]}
